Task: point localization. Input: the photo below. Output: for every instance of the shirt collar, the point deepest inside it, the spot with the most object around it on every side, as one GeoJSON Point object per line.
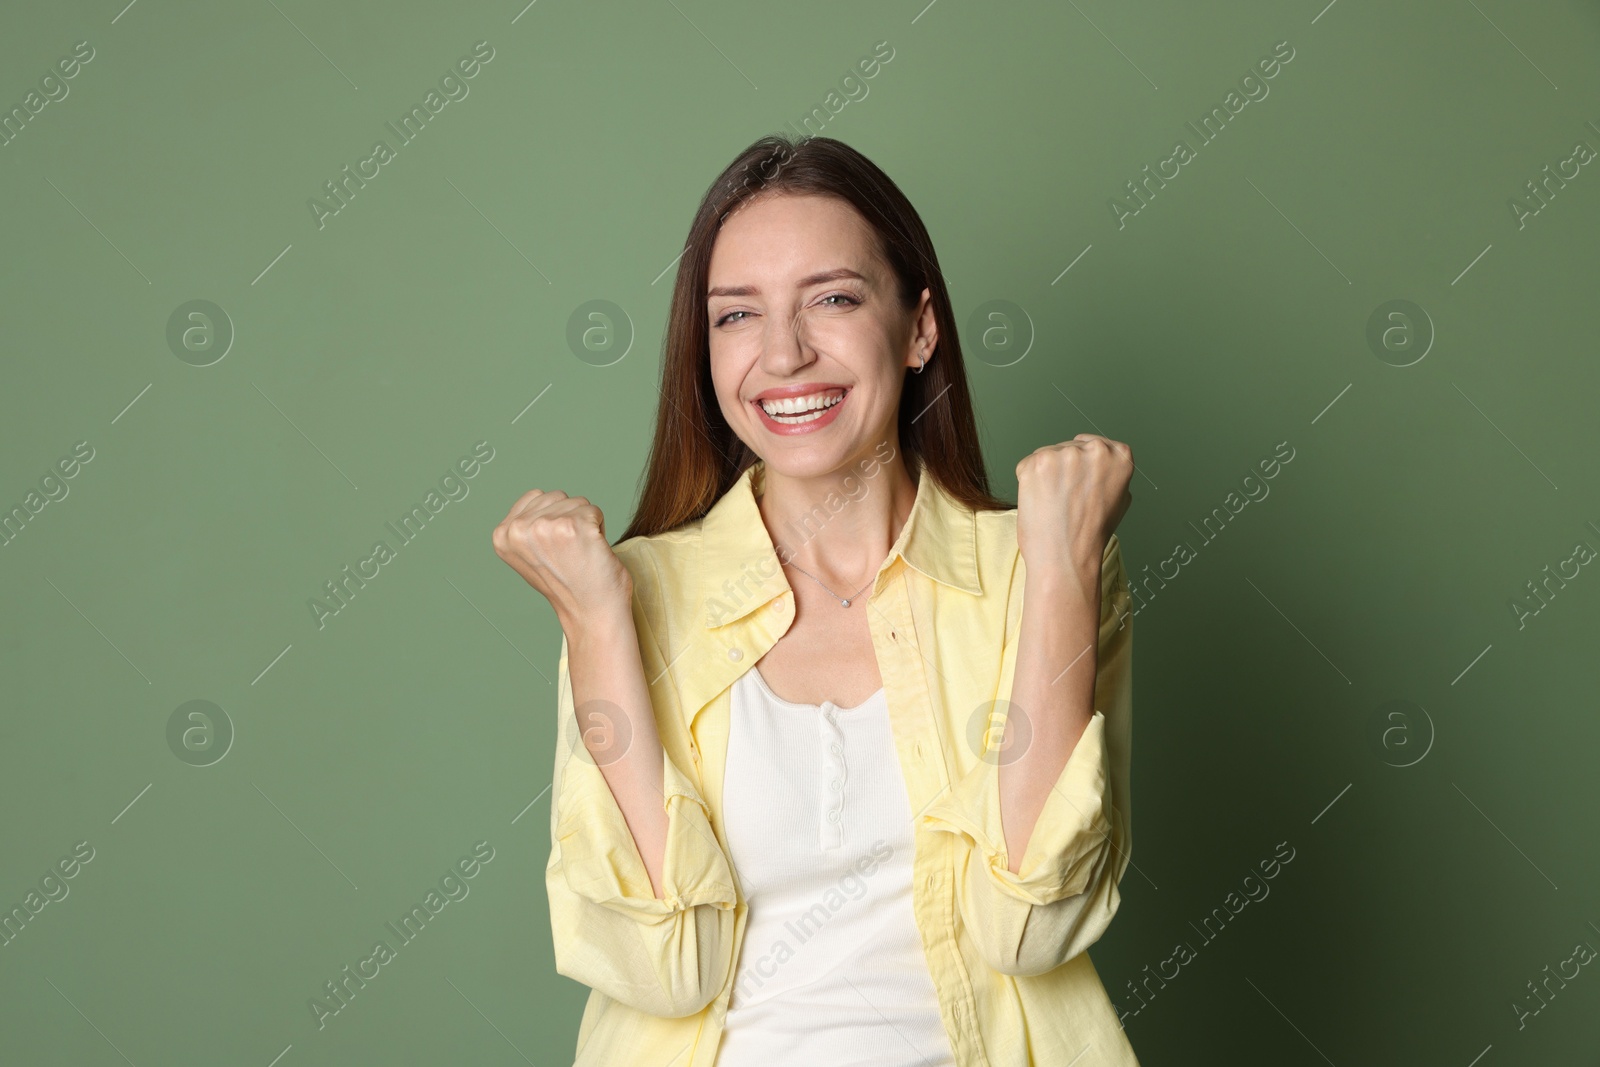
{"type": "Point", "coordinates": [739, 567]}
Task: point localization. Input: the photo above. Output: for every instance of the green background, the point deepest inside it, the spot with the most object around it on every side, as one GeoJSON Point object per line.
{"type": "Point", "coordinates": [369, 355]}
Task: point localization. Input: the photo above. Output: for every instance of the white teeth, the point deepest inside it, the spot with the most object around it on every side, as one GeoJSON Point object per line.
{"type": "Point", "coordinates": [796, 419]}
{"type": "Point", "coordinates": [810, 407]}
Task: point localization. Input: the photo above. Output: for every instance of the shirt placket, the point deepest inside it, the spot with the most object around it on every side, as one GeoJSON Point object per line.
{"type": "Point", "coordinates": [831, 738]}
{"type": "Point", "coordinates": [902, 659]}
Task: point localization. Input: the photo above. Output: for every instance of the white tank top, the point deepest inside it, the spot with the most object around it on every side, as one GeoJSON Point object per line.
{"type": "Point", "coordinates": [832, 969]}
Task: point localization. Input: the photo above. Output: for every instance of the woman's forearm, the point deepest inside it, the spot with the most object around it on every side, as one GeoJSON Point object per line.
{"type": "Point", "coordinates": [617, 724]}
{"type": "Point", "coordinates": [1052, 693]}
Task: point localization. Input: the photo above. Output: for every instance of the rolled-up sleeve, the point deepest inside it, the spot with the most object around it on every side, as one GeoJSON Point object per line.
{"type": "Point", "coordinates": [666, 955]}
{"type": "Point", "coordinates": [1064, 893]}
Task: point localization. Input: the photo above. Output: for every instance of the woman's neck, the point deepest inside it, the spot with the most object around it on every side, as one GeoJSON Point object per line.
{"type": "Point", "coordinates": [839, 526]}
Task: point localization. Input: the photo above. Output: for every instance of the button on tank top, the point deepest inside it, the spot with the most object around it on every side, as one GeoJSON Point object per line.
{"type": "Point", "coordinates": [831, 968]}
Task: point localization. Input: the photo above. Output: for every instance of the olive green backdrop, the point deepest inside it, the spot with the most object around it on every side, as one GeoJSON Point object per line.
{"type": "Point", "coordinates": [1352, 271]}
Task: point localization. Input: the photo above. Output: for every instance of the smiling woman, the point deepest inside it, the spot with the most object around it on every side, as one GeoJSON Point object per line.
{"type": "Point", "coordinates": [749, 699]}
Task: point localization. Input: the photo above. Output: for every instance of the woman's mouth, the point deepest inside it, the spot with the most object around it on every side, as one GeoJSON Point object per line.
{"type": "Point", "coordinates": [801, 414]}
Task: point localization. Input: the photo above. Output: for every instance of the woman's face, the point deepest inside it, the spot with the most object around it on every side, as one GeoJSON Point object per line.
{"type": "Point", "coordinates": [805, 315]}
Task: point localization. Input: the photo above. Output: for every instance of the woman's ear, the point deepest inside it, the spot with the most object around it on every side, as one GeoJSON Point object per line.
{"type": "Point", "coordinates": [924, 332]}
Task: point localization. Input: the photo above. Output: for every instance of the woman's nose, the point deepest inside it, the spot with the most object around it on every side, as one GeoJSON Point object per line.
{"type": "Point", "coordinates": [786, 346]}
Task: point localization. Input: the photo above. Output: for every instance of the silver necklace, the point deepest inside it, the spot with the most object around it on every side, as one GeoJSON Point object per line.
{"type": "Point", "coordinates": [843, 601]}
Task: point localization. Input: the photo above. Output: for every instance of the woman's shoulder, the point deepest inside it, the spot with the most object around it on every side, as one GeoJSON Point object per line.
{"type": "Point", "coordinates": [995, 540]}
{"type": "Point", "coordinates": [676, 540]}
{"type": "Point", "coordinates": [998, 554]}
{"type": "Point", "coordinates": [664, 567]}
{"type": "Point", "coordinates": [995, 525]}
{"type": "Point", "coordinates": [672, 548]}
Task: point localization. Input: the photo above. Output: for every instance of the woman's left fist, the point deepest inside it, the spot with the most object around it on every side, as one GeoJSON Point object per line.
{"type": "Point", "coordinates": [1070, 498]}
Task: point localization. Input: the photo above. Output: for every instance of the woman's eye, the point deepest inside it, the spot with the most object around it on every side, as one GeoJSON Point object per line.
{"type": "Point", "coordinates": [739, 316]}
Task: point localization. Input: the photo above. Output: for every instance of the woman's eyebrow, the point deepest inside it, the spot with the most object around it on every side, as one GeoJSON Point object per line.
{"type": "Point", "coordinates": [809, 280]}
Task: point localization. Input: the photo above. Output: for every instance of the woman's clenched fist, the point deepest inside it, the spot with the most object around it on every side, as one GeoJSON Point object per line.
{"type": "Point", "coordinates": [1070, 498]}
{"type": "Point", "coordinates": [558, 544]}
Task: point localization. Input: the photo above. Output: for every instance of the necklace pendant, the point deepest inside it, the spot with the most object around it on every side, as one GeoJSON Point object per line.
{"type": "Point", "coordinates": [846, 603]}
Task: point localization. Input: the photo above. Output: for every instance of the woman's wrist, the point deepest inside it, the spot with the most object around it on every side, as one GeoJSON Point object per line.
{"type": "Point", "coordinates": [1067, 573]}
{"type": "Point", "coordinates": [598, 624]}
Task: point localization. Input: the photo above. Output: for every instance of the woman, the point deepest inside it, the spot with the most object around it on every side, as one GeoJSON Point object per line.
{"type": "Point", "coordinates": [843, 744]}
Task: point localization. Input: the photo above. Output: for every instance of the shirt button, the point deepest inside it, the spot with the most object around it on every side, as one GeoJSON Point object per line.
{"type": "Point", "coordinates": [833, 816]}
{"type": "Point", "coordinates": [736, 654]}
{"type": "Point", "coordinates": [836, 748]}
{"type": "Point", "coordinates": [835, 784]}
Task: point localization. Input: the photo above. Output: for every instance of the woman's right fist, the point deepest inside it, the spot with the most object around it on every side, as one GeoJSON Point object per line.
{"type": "Point", "coordinates": [558, 544]}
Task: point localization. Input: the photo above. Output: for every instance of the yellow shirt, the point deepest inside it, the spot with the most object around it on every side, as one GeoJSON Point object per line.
{"type": "Point", "coordinates": [1007, 951]}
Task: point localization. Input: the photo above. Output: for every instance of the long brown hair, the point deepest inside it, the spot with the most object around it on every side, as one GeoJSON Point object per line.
{"type": "Point", "coordinates": [696, 457]}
